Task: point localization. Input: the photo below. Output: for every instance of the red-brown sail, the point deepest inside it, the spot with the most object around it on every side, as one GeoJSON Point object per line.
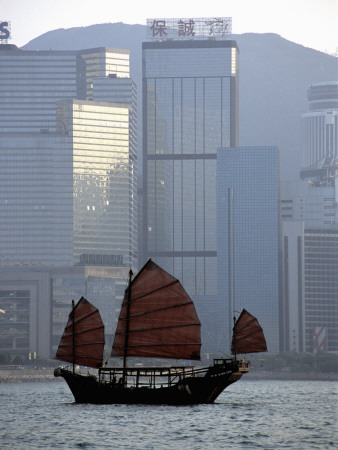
{"type": "Point", "coordinates": [162, 318]}
{"type": "Point", "coordinates": [248, 336]}
{"type": "Point", "coordinates": [83, 339]}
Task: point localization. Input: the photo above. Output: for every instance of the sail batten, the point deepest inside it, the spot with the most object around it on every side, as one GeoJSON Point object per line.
{"type": "Point", "coordinates": [81, 331]}
{"type": "Point", "coordinates": [83, 339]}
{"type": "Point", "coordinates": [158, 319]}
{"type": "Point", "coordinates": [143, 313]}
{"type": "Point", "coordinates": [248, 336]}
{"type": "Point", "coordinates": [85, 343]}
{"type": "Point", "coordinates": [162, 327]}
{"type": "Point", "coordinates": [133, 298]}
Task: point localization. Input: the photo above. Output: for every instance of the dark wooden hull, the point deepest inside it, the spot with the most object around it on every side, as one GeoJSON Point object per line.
{"type": "Point", "coordinates": [189, 390]}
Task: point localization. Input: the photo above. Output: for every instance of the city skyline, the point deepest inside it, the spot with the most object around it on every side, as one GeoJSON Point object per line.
{"type": "Point", "coordinates": [68, 188]}
{"type": "Point", "coordinates": [190, 108]}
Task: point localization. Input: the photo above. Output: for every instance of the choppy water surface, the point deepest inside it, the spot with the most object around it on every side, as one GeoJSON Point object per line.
{"type": "Point", "coordinates": [249, 414]}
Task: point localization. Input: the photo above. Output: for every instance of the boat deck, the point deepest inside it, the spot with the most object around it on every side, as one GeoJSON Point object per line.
{"type": "Point", "coordinates": [160, 376]}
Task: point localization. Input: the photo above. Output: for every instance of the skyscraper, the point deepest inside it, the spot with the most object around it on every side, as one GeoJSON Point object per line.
{"type": "Point", "coordinates": [190, 108]}
{"type": "Point", "coordinates": [248, 237]}
{"type": "Point", "coordinates": [68, 162]}
{"type": "Point", "coordinates": [310, 287]}
{"type": "Point", "coordinates": [320, 126]}
{"type": "Point", "coordinates": [309, 216]}
{"type": "Point", "coordinates": [43, 77]}
{"type": "Point", "coordinates": [67, 184]}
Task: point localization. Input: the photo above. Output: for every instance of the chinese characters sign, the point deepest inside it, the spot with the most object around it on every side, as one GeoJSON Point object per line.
{"type": "Point", "coordinates": [202, 28]}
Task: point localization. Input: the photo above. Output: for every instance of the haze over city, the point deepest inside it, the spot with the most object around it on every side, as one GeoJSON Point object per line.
{"type": "Point", "coordinates": [169, 224]}
{"type": "Point", "coordinates": [312, 23]}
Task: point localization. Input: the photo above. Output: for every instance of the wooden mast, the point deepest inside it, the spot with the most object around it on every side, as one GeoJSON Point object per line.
{"type": "Point", "coordinates": [73, 333]}
{"type": "Point", "coordinates": [127, 329]}
{"type": "Point", "coordinates": [234, 338]}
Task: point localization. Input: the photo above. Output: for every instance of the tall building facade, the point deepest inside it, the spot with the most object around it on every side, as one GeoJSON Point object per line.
{"type": "Point", "coordinates": [309, 217]}
{"type": "Point", "coordinates": [321, 290]}
{"type": "Point", "coordinates": [292, 316]}
{"type": "Point", "coordinates": [58, 156]}
{"type": "Point", "coordinates": [190, 108]}
{"type": "Point", "coordinates": [248, 237]}
{"type": "Point", "coordinates": [320, 126]}
{"type": "Point", "coordinates": [67, 184]}
{"type": "Point", "coordinates": [33, 81]}
{"type": "Point", "coordinates": [36, 199]}
{"type": "Point", "coordinates": [103, 181]}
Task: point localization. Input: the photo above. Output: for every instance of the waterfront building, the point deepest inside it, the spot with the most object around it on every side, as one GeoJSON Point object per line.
{"type": "Point", "coordinates": [25, 312]}
{"type": "Point", "coordinates": [67, 173]}
{"type": "Point", "coordinates": [310, 266]}
{"type": "Point", "coordinates": [309, 217]}
{"type": "Point", "coordinates": [248, 237]}
{"type": "Point", "coordinates": [292, 323]}
{"type": "Point", "coordinates": [190, 108]}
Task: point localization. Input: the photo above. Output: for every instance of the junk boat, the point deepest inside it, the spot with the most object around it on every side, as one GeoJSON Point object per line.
{"type": "Point", "coordinates": [157, 320]}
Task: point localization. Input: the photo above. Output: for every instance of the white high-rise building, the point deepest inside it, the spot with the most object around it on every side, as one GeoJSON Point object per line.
{"type": "Point", "coordinates": [320, 126]}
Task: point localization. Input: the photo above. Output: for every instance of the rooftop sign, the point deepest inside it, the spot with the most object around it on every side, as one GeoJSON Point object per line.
{"type": "Point", "coordinates": [5, 31]}
{"type": "Point", "coordinates": [180, 29]}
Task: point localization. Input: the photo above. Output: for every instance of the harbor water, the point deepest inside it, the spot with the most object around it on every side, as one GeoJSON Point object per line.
{"type": "Point", "coordinates": [250, 414]}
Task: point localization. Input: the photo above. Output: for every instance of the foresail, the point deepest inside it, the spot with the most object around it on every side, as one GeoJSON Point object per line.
{"type": "Point", "coordinates": [163, 322]}
{"type": "Point", "coordinates": [248, 336]}
{"type": "Point", "coordinates": [83, 339]}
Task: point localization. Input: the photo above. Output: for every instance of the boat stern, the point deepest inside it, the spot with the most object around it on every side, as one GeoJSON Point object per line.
{"type": "Point", "coordinates": [243, 366]}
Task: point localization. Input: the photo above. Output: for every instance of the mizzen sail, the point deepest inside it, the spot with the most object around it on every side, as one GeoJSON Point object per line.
{"type": "Point", "coordinates": [83, 339]}
{"type": "Point", "coordinates": [162, 320]}
{"type": "Point", "coordinates": [248, 336]}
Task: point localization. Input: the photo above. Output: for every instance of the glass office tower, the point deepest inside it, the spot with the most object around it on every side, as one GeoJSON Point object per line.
{"type": "Point", "coordinates": [190, 108]}
{"type": "Point", "coordinates": [41, 154]}
{"type": "Point", "coordinates": [248, 237]}
{"type": "Point", "coordinates": [33, 81]}
{"type": "Point", "coordinates": [104, 181]}
{"type": "Point", "coordinates": [36, 197]}
{"type": "Point", "coordinates": [67, 186]}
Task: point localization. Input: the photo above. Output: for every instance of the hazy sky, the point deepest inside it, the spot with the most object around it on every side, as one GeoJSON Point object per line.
{"type": "Point", "coordinates": [312, 23]}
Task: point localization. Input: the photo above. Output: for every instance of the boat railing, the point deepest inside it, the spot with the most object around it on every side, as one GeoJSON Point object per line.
{"type": "Point", "coordinates": [148, 376]}
{"type": "Point", "coordinates": [160, 376]}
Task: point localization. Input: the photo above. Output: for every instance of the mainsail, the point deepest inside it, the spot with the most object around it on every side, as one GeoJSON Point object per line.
{"type": "Point", "coordinates": [157, 318]}
{"type": "Point", "coordinates": [83, 339]}
{"type": "Point", "coordinates": [248, 336]}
